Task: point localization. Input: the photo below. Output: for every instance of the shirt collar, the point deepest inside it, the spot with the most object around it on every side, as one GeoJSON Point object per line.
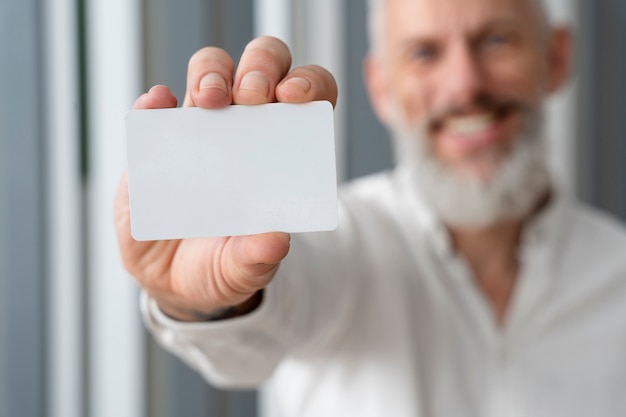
{"type": "Point", "coordinates": [541, 232]}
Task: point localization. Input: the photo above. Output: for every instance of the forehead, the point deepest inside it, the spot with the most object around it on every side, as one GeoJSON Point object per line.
{"type": "Point", "coordinates": [435, 16]}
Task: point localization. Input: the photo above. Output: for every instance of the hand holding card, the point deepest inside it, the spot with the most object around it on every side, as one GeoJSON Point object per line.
{"type": "Point", "coordinates": [182, 157]}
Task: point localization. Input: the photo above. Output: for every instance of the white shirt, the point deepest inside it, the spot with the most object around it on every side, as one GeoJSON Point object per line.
{"type": "Point", "coordinates": [381, 318]}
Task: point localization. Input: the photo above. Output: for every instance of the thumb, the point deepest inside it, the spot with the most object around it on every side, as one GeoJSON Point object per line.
{"type": "Point", "coordinates": [255, 259]}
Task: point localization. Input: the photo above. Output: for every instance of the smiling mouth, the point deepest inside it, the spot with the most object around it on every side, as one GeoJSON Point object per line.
{"type": "Point", "coordinates": [472, 125]}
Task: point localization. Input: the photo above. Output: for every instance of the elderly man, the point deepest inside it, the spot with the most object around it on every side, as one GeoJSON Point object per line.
{"type": "Point", "coordinates": [462, 283]}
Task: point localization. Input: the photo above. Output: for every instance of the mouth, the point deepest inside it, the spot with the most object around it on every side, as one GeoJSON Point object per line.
{"type": "Point", "coordinates": [471, 126]}
{"type": "Point", "coordinates": [469, 131]}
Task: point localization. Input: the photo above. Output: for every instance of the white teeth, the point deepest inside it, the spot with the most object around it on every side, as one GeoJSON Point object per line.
{"type": "Point", "coordinates": [470, 125]}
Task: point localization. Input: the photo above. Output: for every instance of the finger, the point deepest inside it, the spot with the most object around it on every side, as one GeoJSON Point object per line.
{"type": "Point", "coordinates": [263, 64]}
{"type": "Point", "coordinates": [262, 249]}
{"type": "Point", "coordinates": [307, 83]}
{"type": "Point", "coordinates": [209, 79]}
{"type": "Point", "coordinates": [255, 259]}
{"type": "Point", "coordinates": [133, 253]}
{"type": "Point", "coordinates": [159, 97]}
{"type": "Point", "coordinates": [122, 222]}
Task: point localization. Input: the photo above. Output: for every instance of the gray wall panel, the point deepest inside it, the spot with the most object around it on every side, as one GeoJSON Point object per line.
{"type": "Point", "coordinates": [602, 156]}
{"type": "Point", "coordinates": [368, 145]}
{"type": "Point", "coordinates": [174, 30]}
{"type": "Point", "coordinates": [22, 259]}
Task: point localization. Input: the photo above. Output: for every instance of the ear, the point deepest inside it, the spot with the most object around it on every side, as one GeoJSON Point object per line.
{"type": "Point", "coordinates": [560, 57]}
{"type": "Point", "coordinates": [376, 85]}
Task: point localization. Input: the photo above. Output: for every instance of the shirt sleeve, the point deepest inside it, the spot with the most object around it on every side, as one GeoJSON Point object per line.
{"type": "Point", "coordinates": [237, 353]}
{"type": "Point", "coordinates": [306, 306]}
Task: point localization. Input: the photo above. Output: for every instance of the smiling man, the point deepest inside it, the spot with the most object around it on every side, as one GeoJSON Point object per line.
{"type": "Point", "coordinates": [462, 283]}
{"type": "Point", "coordinates": [462, 93]}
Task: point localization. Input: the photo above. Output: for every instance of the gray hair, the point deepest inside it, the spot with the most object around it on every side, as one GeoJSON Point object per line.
{"type": "Point", "coordinates": [375, 24]}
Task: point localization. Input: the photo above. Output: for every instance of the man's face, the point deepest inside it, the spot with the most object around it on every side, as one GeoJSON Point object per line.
{"type": "Point", "coordinates": [468, 72]}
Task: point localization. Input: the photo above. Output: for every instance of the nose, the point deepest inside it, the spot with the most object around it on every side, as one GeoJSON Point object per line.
{"type": "Point", "coordinates": [462, 78]}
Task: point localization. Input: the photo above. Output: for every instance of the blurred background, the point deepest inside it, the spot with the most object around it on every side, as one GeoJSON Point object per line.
{"type": "Point", "coordinates": [71, 340]}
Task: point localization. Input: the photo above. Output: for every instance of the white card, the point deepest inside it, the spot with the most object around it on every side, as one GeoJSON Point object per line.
{"type": "Point", "coordinates": [239, 170]}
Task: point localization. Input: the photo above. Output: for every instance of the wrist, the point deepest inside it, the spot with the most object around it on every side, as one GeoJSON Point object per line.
{"type": "Point", "coordinates": [223, 313]}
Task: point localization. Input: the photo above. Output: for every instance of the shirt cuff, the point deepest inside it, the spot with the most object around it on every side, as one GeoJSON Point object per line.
{"type": "Point", "coordinates": [156, 319]}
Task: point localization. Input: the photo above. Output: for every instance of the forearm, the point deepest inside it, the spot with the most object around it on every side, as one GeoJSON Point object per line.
{"type": "Point", "coordinates": [238, 353]}
{"type": "Point", "coordinates": [307, 306]}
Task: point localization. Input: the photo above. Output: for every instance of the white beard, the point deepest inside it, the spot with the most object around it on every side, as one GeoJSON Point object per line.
{"type": "Point", "coordinates": [513, 191]}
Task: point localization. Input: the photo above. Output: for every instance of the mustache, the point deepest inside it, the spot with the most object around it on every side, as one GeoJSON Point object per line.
{"type": "Point", "coordinates": [499, 106]}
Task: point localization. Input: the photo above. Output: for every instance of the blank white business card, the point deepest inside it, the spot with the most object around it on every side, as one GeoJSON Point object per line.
{"type": "Point", "coordinates": [238, 170]}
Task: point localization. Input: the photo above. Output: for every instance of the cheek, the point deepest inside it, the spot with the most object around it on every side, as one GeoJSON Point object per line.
{"type": "Point", "coordinates": [413, 96]}
{"type": "Point", "coordinates": [521, 79]}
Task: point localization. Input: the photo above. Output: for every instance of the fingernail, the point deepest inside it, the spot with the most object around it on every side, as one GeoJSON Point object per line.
{"type": "Point", "coordinates": [303, 83]}
{"type": "Point", "coordinates": [255, 81]}
{"type": "Point", "coordinates": [213, 80]}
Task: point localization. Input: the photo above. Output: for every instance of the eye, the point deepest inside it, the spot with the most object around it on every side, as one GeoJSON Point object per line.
{"type": "Point", "coordinates": [496, 40]}
{"type": "Point", "coordinates": [424, 53]}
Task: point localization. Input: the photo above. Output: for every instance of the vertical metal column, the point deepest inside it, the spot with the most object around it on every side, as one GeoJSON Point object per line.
{"type": "Point", "coordinates": [113, 67]}
{"type": "Point", "coordinates": [66, 318]}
